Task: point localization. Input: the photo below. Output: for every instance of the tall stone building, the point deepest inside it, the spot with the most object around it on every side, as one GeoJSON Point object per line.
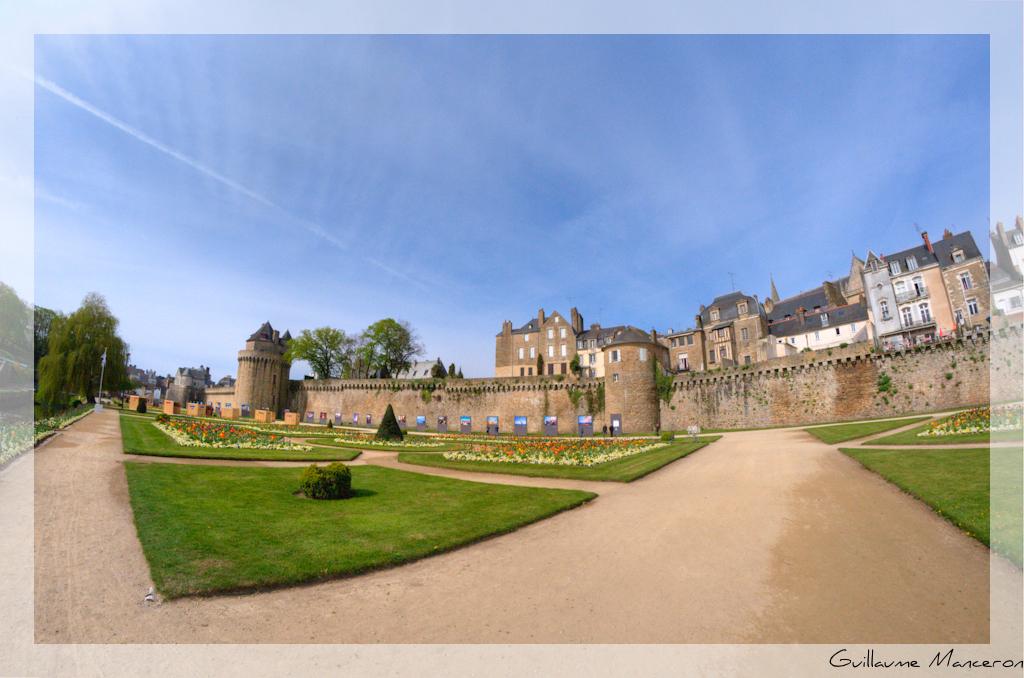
{"type": "Point", "coordinates": [262, 382]}
{"type": "Point", "coordinates": [735, 329]}
{"type": "Point", "coordinates": [631, 393]}
{"type": "Point", "coordinates": [551, 337]}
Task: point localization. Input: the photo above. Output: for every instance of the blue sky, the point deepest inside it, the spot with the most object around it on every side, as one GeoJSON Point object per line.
{"type": "Point", "coordinates": [206, 184]}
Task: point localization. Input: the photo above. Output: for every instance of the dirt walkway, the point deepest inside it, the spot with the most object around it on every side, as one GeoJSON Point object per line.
{"type": "Point", "coordinates": [766, 536]}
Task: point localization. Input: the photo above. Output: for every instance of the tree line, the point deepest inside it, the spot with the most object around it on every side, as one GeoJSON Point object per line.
{"type": "Point", "coordinates": [383, 350]}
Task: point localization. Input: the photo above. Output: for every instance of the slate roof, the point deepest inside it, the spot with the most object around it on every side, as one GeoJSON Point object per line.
{"type": "Point", "coordinates": [630, 335]}
{"type": "Point", "coordinates": [839, 315]}
{"type": "Point", "coordinates": [726, 304]}
{"type": "Point", "coordinates": [943, 255]}
{"type": "Point", "coordinates": [600, 334]}
{"type": "Point", "coordinates": [808, 300]}
{"type": "Point", "coordinates": [266, 333]}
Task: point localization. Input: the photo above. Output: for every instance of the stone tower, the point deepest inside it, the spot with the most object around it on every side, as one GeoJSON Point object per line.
{"type": "Point", "coordinates": [263, 371]}
{"type": "Point", "coordinates": [630, 390]}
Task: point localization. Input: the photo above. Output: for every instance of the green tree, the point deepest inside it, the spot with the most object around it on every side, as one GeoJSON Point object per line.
{"type": "Point", "coordinates": [328, 351]}
{"type": "Point", "coordinates": [390, 346]}
{"type": "Point", "coordinates": [540, 364]}
{"type": "Point", "coordinates": [15, 326]}
{"type": "Point", "coordinates": [460, 374]}
{"type": "Point", "coordinates": [389, 428]}
{"type": "Point", "coordinates": [44, 319]}
{"type": "Point", "coordinates": [574, 365]}
{"type": "Point", "coordinates": [451, 370]}
{"type": "Point", "coordinates": [438, 371]}
{"type": "Point", "coordinates": [74, 350]}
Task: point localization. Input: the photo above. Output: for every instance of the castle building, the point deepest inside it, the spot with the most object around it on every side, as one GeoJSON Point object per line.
{"type": "Point", "coordinates": [735, 329]}
{"type": "Point", "coordinates": [686, 349]}
{"type": "Point", "coordinates": [590, 345]}
{"type": "Point", "coordinates": [262, 382]}
{"type": "Point", "coordinates": [631, 392]}
{"type": "Point", "coordinates": [927, 292]}
{"type": "Point", "coordinates": [549, 337]}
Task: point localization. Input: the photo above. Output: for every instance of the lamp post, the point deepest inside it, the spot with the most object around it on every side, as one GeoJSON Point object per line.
{"type": "Point", "coordinates": [99, 394]}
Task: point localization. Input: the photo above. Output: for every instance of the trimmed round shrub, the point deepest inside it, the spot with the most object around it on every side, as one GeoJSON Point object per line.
{"type": "Point", "coordinates": [389, 428]}
{"type": "Point", "coordinates": [333, 481]}
{"type": "Point", "coordinates": [141, 407]}
{"type": "Point", "coordinates": [668, 436]}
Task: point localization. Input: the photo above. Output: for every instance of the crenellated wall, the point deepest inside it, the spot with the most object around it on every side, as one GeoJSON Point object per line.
{"type": "Point", "coordinates": [839, 385]}
{"type": "Point", "coordinates": [505, 398]}
{"type": "Point", "coordinates": [835, 385]}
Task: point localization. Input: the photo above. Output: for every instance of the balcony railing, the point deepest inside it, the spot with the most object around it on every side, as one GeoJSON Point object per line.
{"type": "Point", "coordinates": [912, 295]}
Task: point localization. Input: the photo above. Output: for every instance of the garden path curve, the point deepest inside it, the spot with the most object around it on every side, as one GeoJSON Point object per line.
{"type": "Point", "coordinates": [763, 536]}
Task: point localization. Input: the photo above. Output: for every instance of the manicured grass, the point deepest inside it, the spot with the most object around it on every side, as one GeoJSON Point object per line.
{"type": "Point", "coordinates": [209, 529]}
{"type": "Point", "coordinates": [838, 433]}
{"type": "Point", "coordinates": [955, 483]}
{"type": "Point", "coordinates": [911, 438]}
{"type": "Point", "coordinates": [622, 470]}
{"type": "Point", "coordinates": [381, 448]}
{"type": "Point", "coordinates": [140, 436]}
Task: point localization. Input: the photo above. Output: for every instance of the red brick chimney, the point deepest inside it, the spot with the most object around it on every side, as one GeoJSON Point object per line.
{"type": "Point", "coordinates": [947, 234]}
{"type": "Point", "coordinates": [927, 241]}
{"type": "Point", "coordinates": [801, 313]}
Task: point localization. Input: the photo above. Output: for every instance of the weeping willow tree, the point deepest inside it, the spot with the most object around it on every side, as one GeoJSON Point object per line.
{"type": "Point", "coordinates": [75, 348]}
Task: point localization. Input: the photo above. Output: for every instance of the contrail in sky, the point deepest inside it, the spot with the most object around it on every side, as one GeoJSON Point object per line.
{"type": "Point", "coordinates": [312, 227]}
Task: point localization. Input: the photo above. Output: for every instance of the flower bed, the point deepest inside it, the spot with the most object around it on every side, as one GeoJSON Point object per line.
{"type": "Point", "coordinates": [369, 440]}
{"type": "Point", "coordinates": [977, 420]}
{"type": "Point", "coordinates": [15, 438]}
{"type": "Point", "coordinates": [44, 428]}
{"type": "Point", "coordinates": [562, 452]}
{"type": "Point", "coordinates": [196, 433]}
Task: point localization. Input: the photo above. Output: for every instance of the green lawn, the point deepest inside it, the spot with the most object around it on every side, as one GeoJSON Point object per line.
{"type": "Point", "coordinates": [209, 529]}
{"type": "Point", "coordinates": [955, 483]}
{"type": "Point", "coordinates": [838, 433]}
{"type": "Point", "coordinates": [911, 438]}
{"type": "Point", "coordinates": [394, 448]}
{"type": "Point", "coordinates": [139, 436]}
{"type": "Point", "coordinates": [622, 470]}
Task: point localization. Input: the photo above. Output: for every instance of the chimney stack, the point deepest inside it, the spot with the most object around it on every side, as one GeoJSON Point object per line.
{"type": "Point", "coordinates": [947, 234]}
{"type": "Point", "coordinates": [800, 314]}
{"type": "Point", "coordinates": [540, 317]}
{"type": "Point", "coordinates": [927, 241]}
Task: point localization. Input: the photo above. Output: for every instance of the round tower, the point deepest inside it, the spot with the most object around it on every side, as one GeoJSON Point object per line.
{"type": "Point", "coordinates": [263, 371]}
{"type": "Point", "coordinates": [630, 390]}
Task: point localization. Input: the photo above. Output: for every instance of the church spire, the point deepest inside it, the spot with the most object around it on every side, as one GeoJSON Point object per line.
{"type": "Point", "coordinates": [775, 293]}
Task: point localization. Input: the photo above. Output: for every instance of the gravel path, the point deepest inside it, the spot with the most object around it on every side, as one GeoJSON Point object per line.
{"type": "Point", "coordinates": [764, 536]}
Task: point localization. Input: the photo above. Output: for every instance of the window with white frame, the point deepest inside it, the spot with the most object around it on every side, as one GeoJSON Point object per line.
{"type": "Point", "coordinates": [894, 267]}
{"type": "Point", "coordinates": [908, 315]}
{"type": "Point", "coordinates": [522, 353]}
{"type": "Point", "coordinates": [817, 336]}
{"type": "Point", "coordinates": [684, 362]}
{"type": "Point", "coordinates": [965, 280]}
{"type": "Point", "coordinates": [593, 358]}
{"type": "Point", "coordinates": [901, 286]}
{"type": "Point", "coordinates": [613, 356]}
{"type": "Point", "coordinates": [972, 306]}
{"type": "Point", "coordinates": [925, 312]}
{"type": "Point", "coordinates": [1018, 238]}
{"type": "Point", "coordinates": [883, 307]}
{"type": "Point", "coordinates": [561, 333]}
{"type": "Point", "coordinates": [824, 319]}
{"type": "Point", "coordinates": [911, 263]}
{"type": "Point", "coordinates": [533, 351]}
{"type": "Point", "coordinates": [918, 285]}
{"type": "Point", "coordinates": [958, 256]}
{"type": "Point", "coordinates": [551, 333]}
{"type": "Point", "coordinates": [526, 338]}
{"type": "Point", "coordinates": [714, 315]}
{"type": "Point", "coordinates": [741, 307]}
{"type": "Point", "coordinates": [643, 355]}
{"type": "Point", "coordinates": [744, 333]}
{"type": "Point", "coordinates": [959, 315]}
{"type": "Point", "coordinates": [615, 377]}
{"type": "Point", "coordinates": [551, 351]}
{"type": "Point", "coordinates": [564, 351]}
{"type": "Point", "coordinates": [853, 328]}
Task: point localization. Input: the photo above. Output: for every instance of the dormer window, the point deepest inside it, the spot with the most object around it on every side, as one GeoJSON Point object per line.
{"type": "Point", "coordinates": [958, 256]}
{"type": "Point", "coordinates": [714, 315]}
{"type": "Point", "coordinates": [741, 307]}
{"type": "Point", "coordinates": [824, 319]}
{"type": "Point", "coordinates": [911, 263]}
{"type": "Point", "coordinates": [894, 267]}
{"type": "Point", "coordinates": [1018, 238]}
